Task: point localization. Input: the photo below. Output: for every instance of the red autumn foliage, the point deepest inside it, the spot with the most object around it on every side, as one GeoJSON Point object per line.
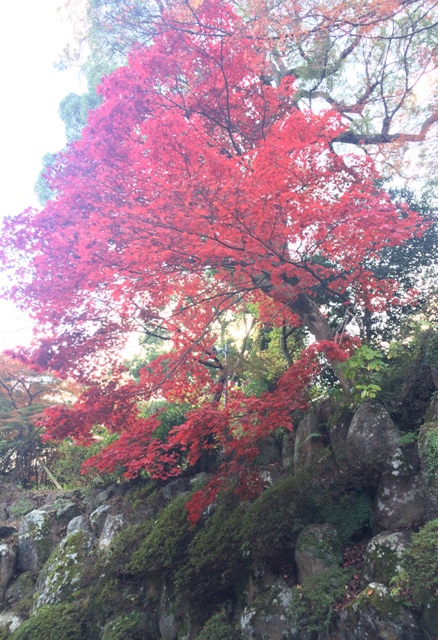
{"type": "Point", "coordinates": [198, 187]}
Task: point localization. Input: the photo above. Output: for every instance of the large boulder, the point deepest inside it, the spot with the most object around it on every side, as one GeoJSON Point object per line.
{"type": "Point", "coordinates": [383, 556]}
{"type": "Point", "coordinates": [36, 540]}
{"type": "Point", "coordinates": [400, 498]}
{"type": "Point", "coordinates": [374, 615]}
{"type": "Point", "coordinates": [317, 550]}
{"type": "Point", "coordinates": [371, 438]}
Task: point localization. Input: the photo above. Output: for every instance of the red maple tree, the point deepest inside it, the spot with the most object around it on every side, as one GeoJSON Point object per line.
{"type": "Point", "coordinates": [198, 187]}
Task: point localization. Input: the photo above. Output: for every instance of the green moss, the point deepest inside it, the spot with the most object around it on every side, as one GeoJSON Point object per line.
{"type": "Point", "coordinates": [272, 524]}
{"type": "Point", "coordinates": [215, 561]}
{"type": "Point", "coordinates": [420, 563]}
{"type": "Point", "coordinates": [131, 626]}
{"type": "Point", "coordinates": [322, 542]}
{"type": "Point", "coordinates": [349, 514]}
{"type": "Point", "coordinates": [378, 598]}
{"type": "Point", "coordinates": [116, 560]}
{"type": "Point", "coordinates": [312, 606]}
{"type": "Point", "coordinates": [218, 628]}
{"type": "Point", "coordinates": [428, 447]}
{"type": "Point", "coordinates": [53, 622]}
{"type": "Point", "coordinates": [164, 547]}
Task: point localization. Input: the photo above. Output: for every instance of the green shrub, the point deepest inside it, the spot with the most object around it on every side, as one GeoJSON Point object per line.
{"type": "Point", "coordinates": [218, 628]}
{"type": "Point", "coordinates": [53, 622]}
{"type": "Point", "coordinates": [421, 563]}
{"type": "Point", "coordinates": [312, 606]}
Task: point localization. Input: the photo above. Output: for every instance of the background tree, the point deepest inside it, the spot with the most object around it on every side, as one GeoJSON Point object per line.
{"type": "Point", "coordinates": [144, 236]}
{"type": "Point", "coordinates": [24, 394]}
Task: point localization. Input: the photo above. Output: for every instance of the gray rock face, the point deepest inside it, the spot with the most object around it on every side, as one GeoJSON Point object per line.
{"type": "Point", "coordinates": [268, 618]}
{"type": "Point", "coordinates": [36, 540]}
{"type": "Point", "coordinates": [21, 589]}
{"type": "Point", "coordinates": [167, 616]}
{"type": "Point", "coordinates": [98, 517]}
{"type": "Point", "coordinates": [174, 488]}
{"type": "Point", "coordinates": [383, 556]}
{"type": "Point", "coordinates": [338, 430]}
{"type": "Point", "coordinates": [374, 615]}
{"type": "Point", "coordinates": [372, 437]}
{"type": "Point", "coordinates": [112, 526]}
{"type": "Point", "coordinates": [309, 447]}
{"type": "Point", "coordinates": [8, 562]}
{"type": "Point", "coordinates": [78, 524]}
{"type": "Point", "coordinates": [317, 550]}
{"type": "Point", "coordinates": [288, 450]}
{"type": "Point", "coordinates": [66, 509]}
{"type": "Point", "coordinates": [400, 498]}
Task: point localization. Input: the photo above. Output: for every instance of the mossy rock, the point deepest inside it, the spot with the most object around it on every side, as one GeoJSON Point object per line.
{"type": "Point", "coordinates": [218, 628]}
{"type": "Point", "coordinates": [372, 437]}
{"type": "Point", "coordinates": [428, 450]}
{"type": "Point", "coordinates": [134, 625]}
{"type": "Point", "coordinates": [268, 617]}
{"type": "Point", "coordinates": [375, 614]}
{"type": "Point", "coordinates": [55, 622]}
{"type": "Point", "coordinates": [432, 411]}
{"type": "Point", "coordinates": [63, 574]}
{"type": "Point", "coordinates": [317, 550]}
{"type": "Point", "coordinates": [36, 540]}
{"type": "Point", "coordinates": [421, 563]}
{"type": "Point", "coordinates": [383, 556]}
{"type": "Point", "coordinates": [21, 590]}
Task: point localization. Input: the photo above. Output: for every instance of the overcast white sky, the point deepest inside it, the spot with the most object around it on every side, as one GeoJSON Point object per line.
{"type": "Point", "coordinates": [32, 36]}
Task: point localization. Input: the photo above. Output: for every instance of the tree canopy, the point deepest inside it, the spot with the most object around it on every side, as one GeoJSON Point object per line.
{"type": "Point", "coordinates": [203, 187]}
{"type": "Point", "coordinates": [374, 62]}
